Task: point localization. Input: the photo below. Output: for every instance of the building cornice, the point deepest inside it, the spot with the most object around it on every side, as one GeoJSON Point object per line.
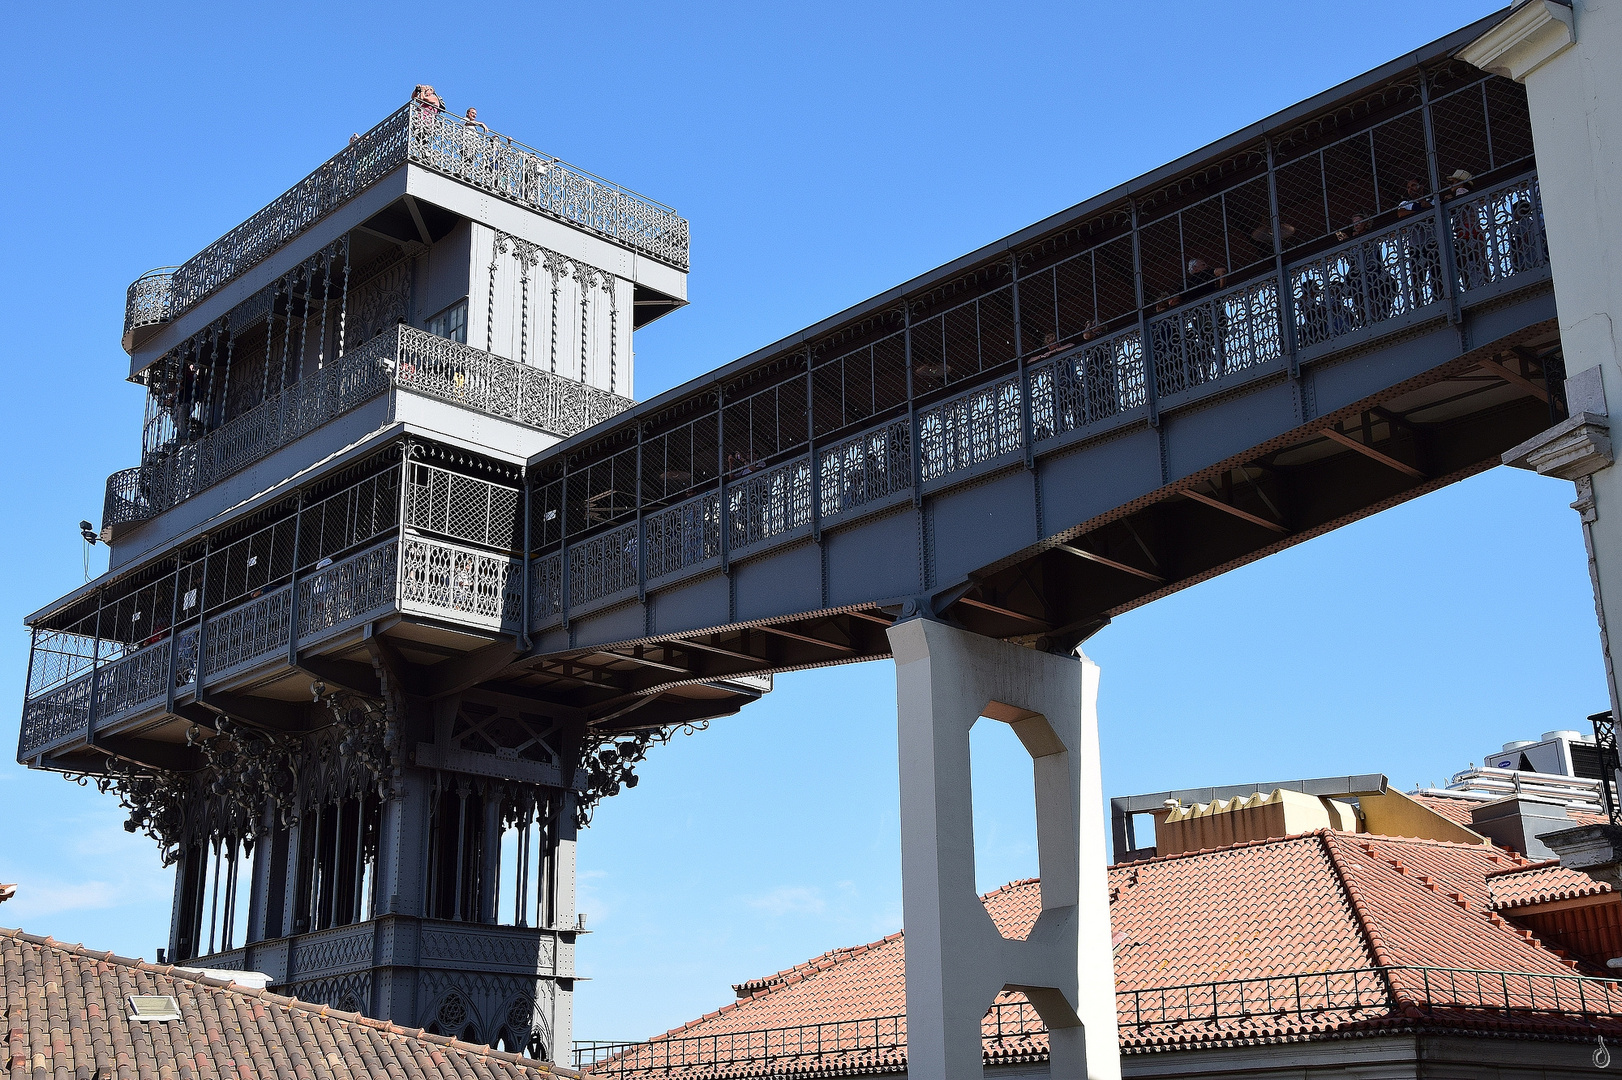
{"type": "Point", "coordinates": [1535, 33]}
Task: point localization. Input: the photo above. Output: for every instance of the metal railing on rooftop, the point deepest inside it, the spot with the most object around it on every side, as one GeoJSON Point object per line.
{"type": "Point", "coordinates": [1573, 1005]}
{"type": "Point", "coordinates": [434, 140]}
{"type": "Point", "coordinates": [880, 1037]}
{"type": "Point", "coordinates": [403, 357]}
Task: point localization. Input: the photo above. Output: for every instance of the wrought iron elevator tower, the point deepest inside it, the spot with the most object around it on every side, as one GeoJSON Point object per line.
{"type": "Point", "coordinates": [289, 675]}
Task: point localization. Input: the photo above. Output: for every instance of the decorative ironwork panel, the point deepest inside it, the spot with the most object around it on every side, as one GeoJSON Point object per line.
{"type": "Point", "coordinates": [478, 1004]}
{"type": "Point", "coordinates": [436, 141]}
{"type": "Point", "coordinates": [346, 993]}
{"type": "Point", "coordinates": [137, 680]}
{"type": "Point", "coordinates": [347, 590]}
{"type": "Point", "coordinates": [970, 428]}
{"type": "Point", "coordinates": [684, 535]}
{"type": "Point", "coordinates": [603, 565]}
{"type": "Point", "coordinates": [476, 586]}
{"type": "Point", "coordinates": [1100, 380]}
{"type": "Point", "coordinates": [249, 632]}
{"type": "Point", "coordinates": [183, 471]}
{"type": "Point", "coordinates": [765, 504]}
{"type": "Point", "coordinates": [54, 716]}
{"type": "Point", "coordinates": [185, 656]}
{"type": "Point", "coordinates": [149, 301]}
{"type": "Point", "coordinates": [462, 375]}
{"type": "Point", "coordinates": [1210, 339]}
{"type": "Point", "coordinates": [1498, 234]}
{"type": "Point", "coordinates": [546, 588]}
{"type": "Point", "coordinates": [328, 952]}
{"type": "Point", "coordinates": [865, 468]}
{"type": "Point", "coordinates": [508, 948]}
{"type": "Point", "coordinates": [1366, 282]}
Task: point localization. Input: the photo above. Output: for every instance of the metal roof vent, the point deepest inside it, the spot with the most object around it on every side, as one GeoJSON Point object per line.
{"type": "Point", "coordinates": [149, 1007]}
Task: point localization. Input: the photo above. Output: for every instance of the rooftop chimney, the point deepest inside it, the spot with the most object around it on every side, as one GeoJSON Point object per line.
{"type": "Point", "coordinates": [1520, 821]}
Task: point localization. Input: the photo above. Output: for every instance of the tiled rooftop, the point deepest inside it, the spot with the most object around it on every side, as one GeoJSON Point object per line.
{"type": "Point", "coordinates": [1273, 909]}
{"type": "Point", "coordinates": [67, 1015]}
{"type": "Point", "coordinates": [1540, 883]}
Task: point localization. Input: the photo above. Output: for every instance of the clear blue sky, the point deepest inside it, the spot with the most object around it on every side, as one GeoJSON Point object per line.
{"type": "Point", "coordinates": [823, 153]}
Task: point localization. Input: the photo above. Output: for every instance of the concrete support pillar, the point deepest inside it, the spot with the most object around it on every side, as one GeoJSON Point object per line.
{"type": "Point", "coordinates": [1569, 56]}
{"type": "Point", "coordinates": [957, 961]}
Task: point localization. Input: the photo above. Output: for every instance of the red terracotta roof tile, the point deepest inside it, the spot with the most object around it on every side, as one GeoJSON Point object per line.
{"type": "Point", "coordinates": [1455, 808]}
{"type": "Point", "coordinates": [68, 1015]}
{"type": "Point", "coordinates": [1540, 883]}
{"type": "Point", "coordinates": [1318, 903]}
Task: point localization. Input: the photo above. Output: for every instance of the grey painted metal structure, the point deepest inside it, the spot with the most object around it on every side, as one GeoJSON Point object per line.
{"type": "Point", "coordinates": [496, 612]}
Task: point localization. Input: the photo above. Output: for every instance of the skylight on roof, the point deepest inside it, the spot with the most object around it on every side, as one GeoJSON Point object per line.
{"type": "Point", "coordinates": [149, 1007]}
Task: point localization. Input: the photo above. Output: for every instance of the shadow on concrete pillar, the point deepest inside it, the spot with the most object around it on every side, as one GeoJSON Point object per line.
{"type": "Point", "coordinates": [957, 961]}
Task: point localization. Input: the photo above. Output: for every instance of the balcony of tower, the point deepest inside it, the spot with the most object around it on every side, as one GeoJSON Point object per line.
{"type": "Point", "coordinates": [397, 295]}
{"type": "Point", "coordinates": [378, 168]}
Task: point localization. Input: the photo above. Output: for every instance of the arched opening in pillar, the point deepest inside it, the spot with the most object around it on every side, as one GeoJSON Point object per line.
{"type": "Point", "coordinates": [1002, 785]}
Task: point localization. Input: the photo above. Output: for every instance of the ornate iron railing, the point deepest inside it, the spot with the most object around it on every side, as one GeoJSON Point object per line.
{"type": "Point", "coordinates": [148, 302]}
{"type": "Point", "coordinates": [54, 716]}
{"type": "Point", "coordinates": [1369, 281]}
{"type": "Point", "coordinates": [546, 587]}
{"type": "Point", "coordinates": [970, 428]}
{"type": "Point", "coordinates": [436, 141]}
{"type": "Point", "coordinates": [1207, 340]}
{"type": "Point", "coordinates": [765, 504]}
{"type": "Point", "coordinates": [475, 587]}
{"type": "Point", "coordinates": [462, 375]}
{"type": "Point", "coordinates": [249, 633]}
{"type": "Point", "coordinates": [865, 469]}
{"type": "Point", "coordinates": [1498, 233]}
{"type": "Point", "coordinates": [1103, 378]}
{"type": "Point", "coordinates": [683, 535]}
{"type": "Point", "coordinates": [347, 591]}
{"type": "Point", "coordinates": [403, 357]}
{"type": "Point", "coordinates": [1366, 281]}
{"type": "Point", "coordinates": [603, 565]}
{"type": "Point", "coordinates": [132, 682]}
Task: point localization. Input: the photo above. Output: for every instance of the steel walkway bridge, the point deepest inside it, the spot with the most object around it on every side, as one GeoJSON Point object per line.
{"type": "Point", "coordinates": [1271, 338]}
